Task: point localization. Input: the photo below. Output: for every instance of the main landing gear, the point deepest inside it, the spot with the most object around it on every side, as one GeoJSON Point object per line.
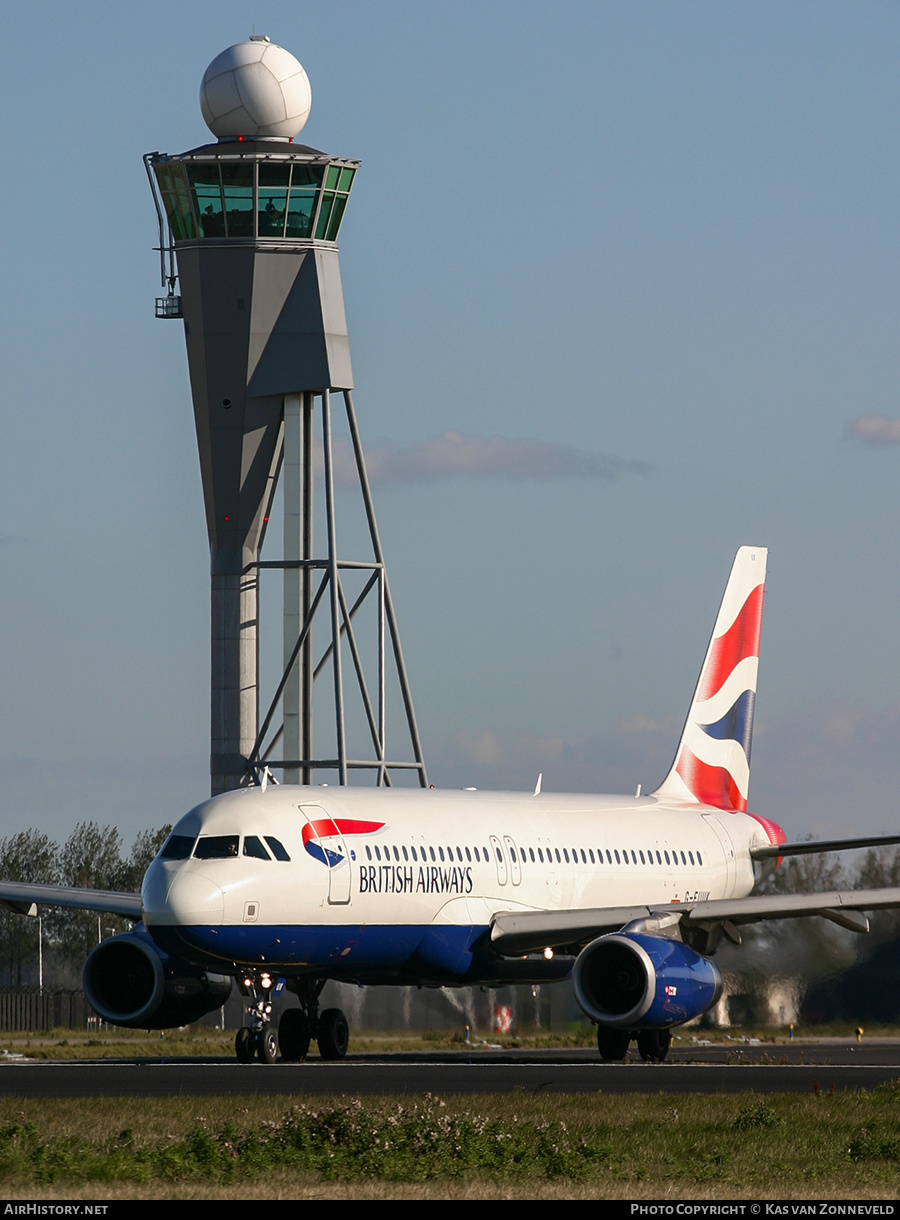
{"type": "Point", "coordinates": [297, 1027]}
{"type": "Point", "coordinates": [653, 1044]}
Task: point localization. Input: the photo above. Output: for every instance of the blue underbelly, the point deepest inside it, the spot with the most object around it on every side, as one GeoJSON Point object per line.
{"type": "Point", "coordinates": [441, 951]}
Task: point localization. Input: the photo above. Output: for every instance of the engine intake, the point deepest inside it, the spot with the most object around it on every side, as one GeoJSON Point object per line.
{"type": "Point", "coordinates": [129, 981]}
{"type": "Point", "coordinates": [634, 981]}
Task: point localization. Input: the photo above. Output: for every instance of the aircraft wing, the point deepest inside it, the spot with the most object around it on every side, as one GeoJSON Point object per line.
{"type": "Point", "coordinates": [518, 932]}
{"type": "Point", "coordinates": [24, 898]}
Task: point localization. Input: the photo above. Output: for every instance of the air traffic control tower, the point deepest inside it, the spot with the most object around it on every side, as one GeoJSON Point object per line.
{"type": "Point", "coordinates": [248, 231]}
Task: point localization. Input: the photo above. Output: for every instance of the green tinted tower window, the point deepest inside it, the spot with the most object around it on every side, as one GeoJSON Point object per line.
{"type": "Point", "coordinates": [274, 183]}
{"type": "Point", "coordinates": [207, 193]}
{"type": "Point", "coordinates": [237, 190]}
{"type": "Point", "coordinates": [306, 181]}
{"type": "Point", "coordinates": [253, 197]}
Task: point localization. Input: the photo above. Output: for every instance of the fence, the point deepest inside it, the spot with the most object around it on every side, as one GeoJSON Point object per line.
{"type": "Point", "coordinates": [30, 1010]}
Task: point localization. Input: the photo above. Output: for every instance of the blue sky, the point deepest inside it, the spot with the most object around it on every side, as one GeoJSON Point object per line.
{"type": "Point", "coordinates": [637, 261]}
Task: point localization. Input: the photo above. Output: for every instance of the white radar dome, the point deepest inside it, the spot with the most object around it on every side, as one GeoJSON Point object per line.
{"type": "Point", "coordinates": [255, 89]}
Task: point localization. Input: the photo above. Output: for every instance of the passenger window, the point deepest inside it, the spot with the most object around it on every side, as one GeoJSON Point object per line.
{"type": "Point", "coordinates": [253, 847]}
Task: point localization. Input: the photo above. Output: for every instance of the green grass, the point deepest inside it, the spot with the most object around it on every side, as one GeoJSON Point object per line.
{"type": "Point", "coordinates": [519, 1145]}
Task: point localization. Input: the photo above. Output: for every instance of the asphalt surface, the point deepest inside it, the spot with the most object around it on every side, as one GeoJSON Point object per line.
{"type": "Point", "coordinates": [788, 1068]}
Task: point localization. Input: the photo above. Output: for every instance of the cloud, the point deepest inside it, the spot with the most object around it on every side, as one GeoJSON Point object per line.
{"type": "Point", "coordinates": [830, 772]}
{"type": "Point", "coordinates": [615, 759]}
{"type": "Point", "coordinates": [874, 430]}
{"type": "Point", "coordinates": [456, 454]}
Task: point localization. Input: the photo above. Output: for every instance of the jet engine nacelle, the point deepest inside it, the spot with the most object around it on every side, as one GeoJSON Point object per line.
{"type": "Point", "coordinates": [129, 981]}
{"type": "Point", "coordinates": [634, 981]}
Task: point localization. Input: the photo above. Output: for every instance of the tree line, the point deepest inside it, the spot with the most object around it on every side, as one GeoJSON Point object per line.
{"type": "Point", "coordinates": [91, 858]}
{"type": "Point", "coordinates": [834, 974]}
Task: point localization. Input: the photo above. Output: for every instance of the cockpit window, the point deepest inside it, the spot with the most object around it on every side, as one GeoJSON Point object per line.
{"type": "Point", "coordinates": [216, 847]}
{"type": "Point", "coordinates": [276, 848]}
{"type": "Point", "coordinates": [177, 847]}
{"type": "Point", "coordinates": [253, 847]}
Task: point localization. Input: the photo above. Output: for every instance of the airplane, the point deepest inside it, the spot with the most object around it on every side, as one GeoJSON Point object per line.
{"type": "Point", "coordinates": [279, 887]}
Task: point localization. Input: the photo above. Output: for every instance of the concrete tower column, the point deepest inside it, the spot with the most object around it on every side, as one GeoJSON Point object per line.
{"type": "Point", "coordinates": [234, 667]}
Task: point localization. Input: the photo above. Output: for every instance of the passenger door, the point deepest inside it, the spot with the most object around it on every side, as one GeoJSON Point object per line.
{"type": "Point", "coordinates": [329, 847]}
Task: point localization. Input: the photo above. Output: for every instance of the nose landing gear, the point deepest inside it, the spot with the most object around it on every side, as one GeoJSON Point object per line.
{"type": "Point", "coordinates": [259, 1037]}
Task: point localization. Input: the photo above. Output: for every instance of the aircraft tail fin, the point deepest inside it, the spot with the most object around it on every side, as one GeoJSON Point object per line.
{"type": "Point", "coordinates": [712, 763]}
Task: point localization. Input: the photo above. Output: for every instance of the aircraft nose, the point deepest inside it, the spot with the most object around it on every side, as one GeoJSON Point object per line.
{"type": "Point", "coordinates": [187, 900]}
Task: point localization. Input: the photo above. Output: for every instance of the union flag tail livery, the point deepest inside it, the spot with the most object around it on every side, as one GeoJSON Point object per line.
{"type": "Point", "coordinates": [712, 764]}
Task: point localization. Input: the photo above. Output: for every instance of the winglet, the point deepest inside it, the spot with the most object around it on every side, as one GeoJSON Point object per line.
{"type": "Point", "coordinates": [712, 763]}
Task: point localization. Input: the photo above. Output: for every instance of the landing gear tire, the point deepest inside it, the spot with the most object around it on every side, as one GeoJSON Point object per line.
{"type": "Point", "coordinates": [245, 1044]}
{"type": "Point", "coordinates": [268, 1044]}
{"type": "Point", "coordinates": [333, 1034]}
{"type": "Point", "coordinates": [612, 1043]}
{"type": "Point", "coordinates": [653, 1044]}
{"type": "Point", "coordinates": [293, 1035]}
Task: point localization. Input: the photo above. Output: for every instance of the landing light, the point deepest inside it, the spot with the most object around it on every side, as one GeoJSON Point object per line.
{"type": "Point", "coordinates": [548, 954]}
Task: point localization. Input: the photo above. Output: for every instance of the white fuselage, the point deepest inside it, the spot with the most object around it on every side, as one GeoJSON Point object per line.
{"type": "Point", "coordinates": [383, 882]}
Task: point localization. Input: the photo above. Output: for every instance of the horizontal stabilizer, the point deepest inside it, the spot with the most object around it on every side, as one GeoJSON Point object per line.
{"type": "Point", "coordinates": [810, 847]}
